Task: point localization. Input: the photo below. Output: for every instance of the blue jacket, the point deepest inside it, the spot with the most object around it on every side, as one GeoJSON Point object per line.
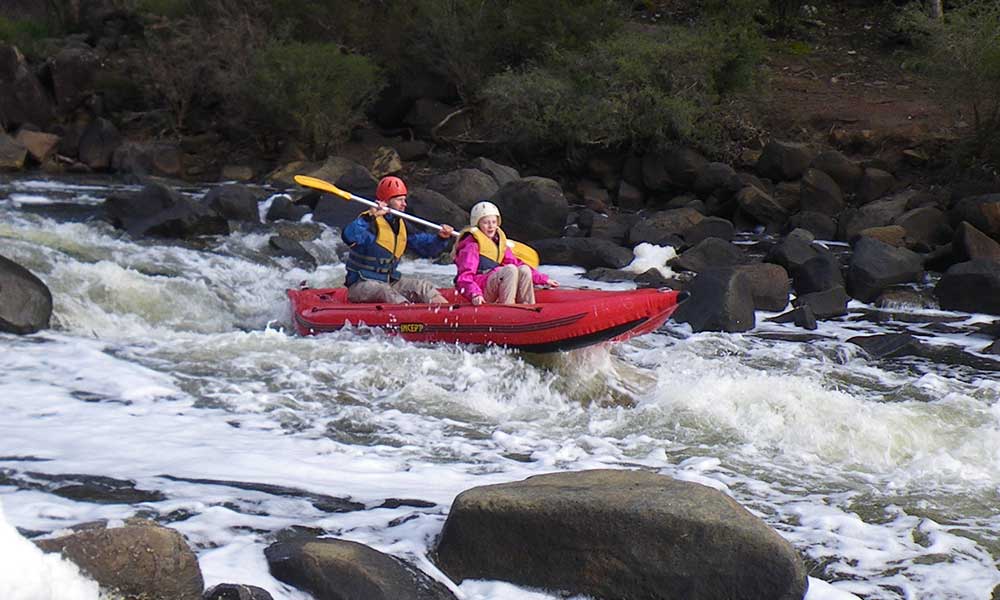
{"type": "Point", "coordinates": [376, 257]}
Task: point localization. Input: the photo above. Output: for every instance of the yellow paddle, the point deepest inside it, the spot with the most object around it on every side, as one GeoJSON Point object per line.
{"type": "Point", "coordinates": [524, 252]}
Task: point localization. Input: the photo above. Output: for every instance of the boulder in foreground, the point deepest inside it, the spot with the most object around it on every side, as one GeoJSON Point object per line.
{"type": "Point", "coordinates": [25, 302]}
{"type": "Point", "coordinates": [618, 534]}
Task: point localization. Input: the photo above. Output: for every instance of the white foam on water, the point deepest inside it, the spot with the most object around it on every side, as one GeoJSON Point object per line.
{"type": "Point", "coordinates": [22, 199]}
{"type": "Point", "coordinates": [650, 256]}
{"type": "Point", "coordinates": [30, 574]}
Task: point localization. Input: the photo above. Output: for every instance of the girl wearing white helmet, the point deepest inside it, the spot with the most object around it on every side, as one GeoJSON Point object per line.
{"type": "Point", "coordinates": [488, 271]}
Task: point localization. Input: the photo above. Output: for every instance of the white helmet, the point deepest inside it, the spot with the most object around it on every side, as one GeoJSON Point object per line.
{"type": "Point", "coordinates": [483, 209]}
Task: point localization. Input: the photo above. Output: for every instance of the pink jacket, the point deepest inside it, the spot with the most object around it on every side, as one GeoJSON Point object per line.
{"type": "Point", "coordinates": [471, 284]}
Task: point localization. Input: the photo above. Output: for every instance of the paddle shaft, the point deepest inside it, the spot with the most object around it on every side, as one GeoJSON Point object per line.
{"type": "Point", "coordinates": [392, 211]}
{"type": "Point", "coordinates": [400, 214]}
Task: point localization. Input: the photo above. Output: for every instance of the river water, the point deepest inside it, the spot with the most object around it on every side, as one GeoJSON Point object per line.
{"type": "Point", "coordinates": [172, 365]}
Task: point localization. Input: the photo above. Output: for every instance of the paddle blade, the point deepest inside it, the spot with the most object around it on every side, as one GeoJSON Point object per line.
{"type": "Point", "coordinates": [524, 252]}
{"type": "Point", "coordinates": [319, 184]}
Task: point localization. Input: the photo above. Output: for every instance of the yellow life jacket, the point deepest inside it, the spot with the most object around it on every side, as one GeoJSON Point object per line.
{"type": "Point", "coordinates": [378, 261]}
{"type": "Point", "coordinates": [491, 253]}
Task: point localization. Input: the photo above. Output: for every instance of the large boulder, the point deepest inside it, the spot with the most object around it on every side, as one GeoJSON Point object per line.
{"type": "Point", "coordinates": [673, 168]}
{"type": "Point", "coordinates": [630, 197]}
{"type": "Point", "coordinates": [618, 534]}
{"type": "Point", "coordinates": [148, 158]}
{"type": "Point", "coordinates": [235, 202]}
{"type": "Point", "coordinates": [138, 560]}
{"type": "Point", "coordinates": [925, 226]}
{"type": "Point", "coordinates": [721, 300]}
{"type": "Point", "coordinates": [760, 205]}
{"type": "Point", "coordinates": [982, 212]}
{"type": "Point", "coordinates": [25, 301]}
{"type": "Point", "coordinates": [535, 208]}
{"type": "Point", "coordinates": [160, 211]}
{"type": "Point", "coordinates": [969, 243]}
{"type": "Point", "coordinates": [588, 253]}
{"type": "Point", "coordinates": [39, 145]}
{"type": "Point", "coordinates": [613, 228]}
{"type": "Point", "coordinates": [358, 181]}
{"type": "Point", "coordinates": [98, 143]}
{"type": "Point", "coordinates": [436, 208]}
{"type": "Point", "coordinates": [709, 253]}
{"type": "Point", "coordinates": [718, 179]}
{"type": "Point", "coordinates": [283, 209]}
{"type": "Point", "coordinates": [875, 214]}
{"type": "Point", "coordinates": [972, 286]}
{"type": "Point", "coordinates": [843, 170]}
{"type": "Point", "coordinates": [709, 227]}
{"type": "Point", "coordinates": [820, 193]}
{"type": "Point", "coordinates": [826, 304]}
{"type": "Point", "coordinates": [876, 265]}
{"type": "Point", "coordinates": [894, 235]}
{"type": "Point", "coordinates": [464, 187]}
{"type": "Point", "coordinates": [12, 153]}
{"type": "Point", "coordinates": [874, 184]}
{"type": "Point", "coordinates": [502, 174]}
{"type": "Point", "coordinates": [769, 285]}
{"type": "Point", "coordinates": [821, 226]}
{"type": "Point", "coordinates": [795, 249]}
{"type": "Point", "coordinates": [332, 569]}
{"type": "Point", "coordinates": [819, 273]}
{"type": "Point", "coordinates": [23, 99]}
{"type": "Point", "coordinates": [335, 212]}
{"type": "Point", "coordinates": [664, 226]}
{"type": "Point", "coordinates": [784, 161]}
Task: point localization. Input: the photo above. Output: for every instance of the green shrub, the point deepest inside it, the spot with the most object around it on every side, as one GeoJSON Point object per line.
{"type": "Point", "coordinates": [199, 63]}
{"type": "Point", "coordinates": [638, 89]}
{"type": "Point", "coordinates": [316, 89]}
{"type": "Point", "coordinates": [785, 14]}
{"type": "Point", "coordinates": [26, 34]}
{"type": "Point", "coordinates": [467, 41]}
{"type": "Point", "coordinates": [173, 9]}
{"type": "Point", "coordinates": [964, 51]}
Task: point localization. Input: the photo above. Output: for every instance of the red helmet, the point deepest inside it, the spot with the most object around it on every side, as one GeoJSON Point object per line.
{"type": "Point", "coordinates": [389, 187]}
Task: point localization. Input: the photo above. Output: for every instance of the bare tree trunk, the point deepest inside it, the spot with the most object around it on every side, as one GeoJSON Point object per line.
{"type": "Point", "coordinates": [935, 9]}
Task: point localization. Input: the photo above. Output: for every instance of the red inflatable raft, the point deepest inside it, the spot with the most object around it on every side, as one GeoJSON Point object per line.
{"type": "Point", "coordinates": [561, 320]}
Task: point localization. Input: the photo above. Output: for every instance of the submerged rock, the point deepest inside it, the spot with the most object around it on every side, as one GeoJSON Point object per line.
{"type": "Point", "coordinates": [236, 591]}
{"type": "Point", "coordinates": [341, 569]}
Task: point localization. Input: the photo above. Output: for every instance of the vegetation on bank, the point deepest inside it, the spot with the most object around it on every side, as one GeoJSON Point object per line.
{"type": "Point", "coordinates": [548, 75]}
{"type": "Point", "coordinates": [963, 51]}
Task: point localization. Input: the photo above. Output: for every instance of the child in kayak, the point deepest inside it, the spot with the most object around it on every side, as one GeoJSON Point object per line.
{"type": "Point", "coordinates": [488, 271]}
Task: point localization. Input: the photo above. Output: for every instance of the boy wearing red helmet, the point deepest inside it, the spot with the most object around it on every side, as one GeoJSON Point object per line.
{"type": "Point", "coordinates": [377, 241]}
